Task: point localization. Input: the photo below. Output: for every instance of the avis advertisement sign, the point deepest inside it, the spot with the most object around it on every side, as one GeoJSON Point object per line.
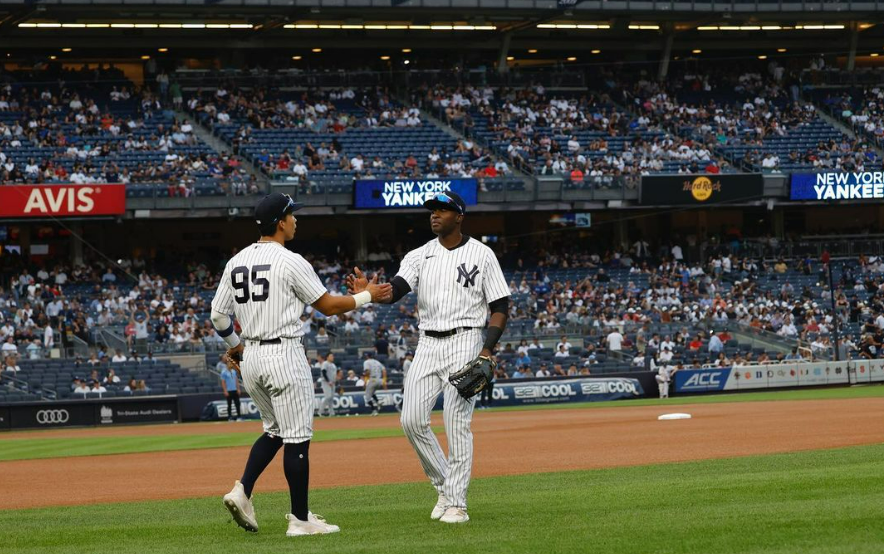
{"type": "Point", "coordinates": [62, 200]}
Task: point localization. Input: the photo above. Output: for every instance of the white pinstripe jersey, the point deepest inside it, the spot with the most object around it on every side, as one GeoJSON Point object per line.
{"type": "Point", "coordinates": [267, 287]}
{"type": "Point", "coordinates": [453, 287]}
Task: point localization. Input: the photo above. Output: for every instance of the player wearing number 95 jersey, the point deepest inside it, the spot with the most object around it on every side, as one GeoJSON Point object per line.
{"type": "Point", "coordinates": [267, 287]}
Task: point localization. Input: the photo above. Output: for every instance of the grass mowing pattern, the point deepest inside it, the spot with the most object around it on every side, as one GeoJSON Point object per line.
{"type": "Point", "coordinates": [30, 449]}
{"type": "Point", "coordinates": [864, 391]}
{"type": "Point", "coordinates": [821, 502]}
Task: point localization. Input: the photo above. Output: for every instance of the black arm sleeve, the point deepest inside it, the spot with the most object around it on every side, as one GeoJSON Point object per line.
{"type": "Point", "coordinates": [500, 306]}
{"type": "Point", "coordinates": [400, 288]}
{"type": "Point", "coordinates": [492, 337]}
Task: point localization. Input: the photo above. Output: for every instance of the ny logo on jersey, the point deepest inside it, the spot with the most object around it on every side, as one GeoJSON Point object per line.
{"type": "Point", "coordinates": [469, 277]}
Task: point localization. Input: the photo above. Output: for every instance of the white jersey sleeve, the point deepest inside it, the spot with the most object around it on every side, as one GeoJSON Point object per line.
{"type": "Point", "coordinates": [223, 301]}
{"type": "Point", "coordinates": [409, 269]}
{"type": "Point", "coordinates": [494, 284]}
{"type": "Point", "coordinates": [306, 284]}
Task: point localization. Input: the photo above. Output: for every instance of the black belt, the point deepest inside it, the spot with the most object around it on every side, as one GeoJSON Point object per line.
{"type": "Point", "coordinates": [263, 342]}
{"type": "Point", "coordinates": [443, 334]}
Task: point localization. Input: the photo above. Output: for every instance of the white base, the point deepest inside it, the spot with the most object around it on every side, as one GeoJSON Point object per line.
{"type": "Point", "coordinates": [674, 416]}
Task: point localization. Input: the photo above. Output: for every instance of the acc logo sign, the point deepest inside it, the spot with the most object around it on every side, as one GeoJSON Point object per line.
{"type": "Point", "coordinates": [53, 417]}
{"type": "Point", "coordinates": [702, 188]}
{"type": "Point", "coordinates": [703, 379]}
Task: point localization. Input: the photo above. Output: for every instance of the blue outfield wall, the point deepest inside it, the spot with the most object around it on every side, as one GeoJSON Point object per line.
{"type": "Point", "coordinates": [503, 394]}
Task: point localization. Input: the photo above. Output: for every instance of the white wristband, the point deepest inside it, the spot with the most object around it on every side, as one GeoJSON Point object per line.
{"type": "Point", "coordinates": [362, 299]}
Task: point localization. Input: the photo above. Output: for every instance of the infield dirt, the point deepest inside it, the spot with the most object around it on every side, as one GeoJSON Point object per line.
{"type": "Point", "coordinates": [506, 443]}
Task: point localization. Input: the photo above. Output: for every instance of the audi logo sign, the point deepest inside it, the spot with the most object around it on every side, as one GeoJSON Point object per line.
{"type": "Point", "coordinates": [53, 417]}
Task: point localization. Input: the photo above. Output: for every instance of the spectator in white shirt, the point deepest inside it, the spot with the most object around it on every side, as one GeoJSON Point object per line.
{"type": "Point", "coordinates": [614, 341]}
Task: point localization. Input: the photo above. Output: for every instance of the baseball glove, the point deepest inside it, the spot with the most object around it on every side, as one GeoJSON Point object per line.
{"type": "Point", "coordinates": [473, 377]}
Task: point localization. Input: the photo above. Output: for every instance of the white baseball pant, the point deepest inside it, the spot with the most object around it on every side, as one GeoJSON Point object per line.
{"type": "Point", "coordinates": [435, 359]}
{"type": "Point", "coordinates": [279, 380]}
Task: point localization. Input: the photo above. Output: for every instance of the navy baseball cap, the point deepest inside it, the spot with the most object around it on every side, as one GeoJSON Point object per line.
{"type": "Point", "coordinates": [446, 201]}
{"type": "Point", "coordinates": [274, 207]}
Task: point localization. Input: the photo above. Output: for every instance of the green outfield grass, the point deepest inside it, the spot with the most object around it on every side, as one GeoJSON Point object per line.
{"type": "Point", "coordinates": [863, 391]}
{"type": "Point", "coordinates": [30, 449]}
{"type": "Point", "coordinates": [820, 502]}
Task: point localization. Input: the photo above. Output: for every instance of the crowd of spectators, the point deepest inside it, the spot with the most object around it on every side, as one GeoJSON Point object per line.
{"type": "Point", "coordinates": [123, 136]}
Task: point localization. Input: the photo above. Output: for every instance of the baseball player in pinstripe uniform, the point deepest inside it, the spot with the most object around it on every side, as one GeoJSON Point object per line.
{"type": "Point", "coordinates": [375, 375]}
{"type": "Point", "coordinates": [458, 282]}
{"type": "Point", "coordinates": [328, 375]}
{"type": "Point", "coordinates": [266, 287]}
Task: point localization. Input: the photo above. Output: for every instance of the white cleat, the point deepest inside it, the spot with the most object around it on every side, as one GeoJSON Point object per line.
{"type": "Point", "coordinates": [439, 508]}
{"type": "Point", "coordinates": [455, 515]}
{"type": "Point", "coordinates": [240, 507]}
{"type": "Point", "coordinates": [315, 525]}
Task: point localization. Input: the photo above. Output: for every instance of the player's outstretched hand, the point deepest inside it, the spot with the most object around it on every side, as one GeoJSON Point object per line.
{"type": "Point", "coordinates": [356, 281]}
{"type": "Point", "coordinates": [380, 293]}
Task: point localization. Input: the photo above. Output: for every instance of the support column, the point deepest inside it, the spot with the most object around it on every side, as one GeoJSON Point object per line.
{"type": "Point", "coordinates": [362, 244]}
{"type": "Point", "coordinates": [621, 232]}
{"type": "Point", "coordinates": [76, 257]}
{"type": "Point", "coordinates": [504, 52]}
{"type": "Point", "coordinates": [668, 38]}
{"type": "Point", "coordinates": [779, 223]}
{"type": "Point", "coordinates": [854, 39]}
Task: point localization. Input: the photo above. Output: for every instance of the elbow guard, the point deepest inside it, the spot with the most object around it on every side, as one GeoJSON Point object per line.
{"type": "Point", "coordinates": [224, 326]}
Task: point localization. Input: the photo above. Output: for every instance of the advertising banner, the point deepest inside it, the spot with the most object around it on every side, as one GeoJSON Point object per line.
{"type": "Point", "coordinates": [700, 190]}
{"type": "Point", "coordinates": [153, 411]}
{"type": "Point", "coordinates": [868, 371]}
{"type": "Point", "coordinates": [51, 414]}
{"type": "Point", "coordinates": [701, 380]}
{"type": "Point", "coordinates": [503, 394]}
{"type": "Point", "coordinates": [409, 193]}
{"type": "Point", "coordinates": [45, 415]}
{"type": "Point", "coordinates": [837, 186]}
{"type": "Point", "coordinates": [801, 374]}
{"type": "Point", "coordinates": [62, 200]}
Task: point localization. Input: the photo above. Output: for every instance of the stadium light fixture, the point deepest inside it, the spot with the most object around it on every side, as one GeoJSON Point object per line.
{"type": "Point", "coordinates": [820, 27]}
{"type": "Point", "coordinates": [406, 50]}
{"type": "Point", "coordinates": [874, 54]}
{"type": "Point", "coordinates": [385, 58]}
{"type": "Point", "coordinates": [123, 25]}
{"type": "Point", "coordinates": [596, 51]}
{"type": "Point", "coordinates": [162, 50]}
{"type": "Point", "coordinates": [762, 57]}
{"type": "Point", "coordinates": [316, 50]}
{"type": "Point", "coordinates": [696, 51]}
{"type": "Point", "coordinates": [52, 57]}
{"type": "Point", "coordinates": [532, 51]}
{"type": "Point", "coordinates": [510, 58]}
{"type": "Point", "coordinates": [572, 59]}
{"type": "Point", "coordinates": [296, 58]}
{"type": "Point", "coordinates": [66, 49]}
{"type": "Point", "coordinates": [585, 26]}
{"type": "Point", "coordinates": [638, 27]}
{"type": "Point", "coordinates": [782, 50]}
{"type": "Point", "coordinates": [145, 57]}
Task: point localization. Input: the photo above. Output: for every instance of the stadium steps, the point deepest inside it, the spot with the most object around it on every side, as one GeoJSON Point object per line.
{"type": "Point", "coordinates": [218, 144]}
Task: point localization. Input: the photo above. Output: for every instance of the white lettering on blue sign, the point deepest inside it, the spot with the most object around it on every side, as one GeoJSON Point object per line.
{"type": "Point", "coordinates": [866, 185]}
{"type": "Point", "coordinates": [411, 193]}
